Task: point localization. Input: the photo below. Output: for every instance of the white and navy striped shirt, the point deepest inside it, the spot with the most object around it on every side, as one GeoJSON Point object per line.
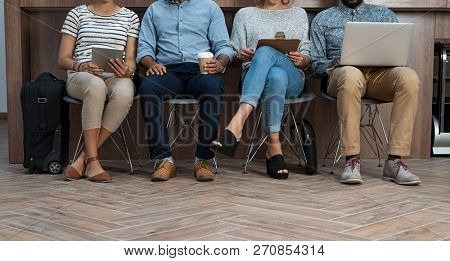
{"type": "Point", "coordinates": [93, 30]}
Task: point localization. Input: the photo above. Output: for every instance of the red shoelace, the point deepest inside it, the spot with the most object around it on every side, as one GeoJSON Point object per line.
{"type": "Point", "coordinates": [353, 163]}
{"type": "Point", "coordinates": [400, 164]}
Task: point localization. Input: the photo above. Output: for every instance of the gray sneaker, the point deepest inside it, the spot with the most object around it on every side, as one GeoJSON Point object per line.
{"type": "Point", "coordinates": [398, 172]}
{"type": "Point", "coordinates": [352, 172]}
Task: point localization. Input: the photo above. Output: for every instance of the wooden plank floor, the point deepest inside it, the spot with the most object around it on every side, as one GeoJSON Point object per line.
{"type": "Point", "coordinates": [234, 207]}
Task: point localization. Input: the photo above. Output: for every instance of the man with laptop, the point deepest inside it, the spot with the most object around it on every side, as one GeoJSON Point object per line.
{"type": "Point", "coordinates": [369, 63]}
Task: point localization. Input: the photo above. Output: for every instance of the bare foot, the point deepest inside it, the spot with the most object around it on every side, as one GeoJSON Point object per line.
{"type": "Point", "coordinates": [79, 164]}
{"type": "Point", "coordinates": [93, 169]}
{"type": "Point", "coordinates": [235, 129]}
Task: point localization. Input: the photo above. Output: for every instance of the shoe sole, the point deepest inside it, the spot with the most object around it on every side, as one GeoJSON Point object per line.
{"type": "Point", "coordinates": [71, 179]}
{"type": "Point", "coordinates": [352, 181]}
{"type": "Point", "coordinates": [411, 183]}
{"type": "Point", "coordinates": [162, 180]}
{"type": "Point", "coordinates": [283, 176]}
{"type": "Point", "coordinates": [101, 182]}
{"type": "Point", "coordinates": [205, 179]}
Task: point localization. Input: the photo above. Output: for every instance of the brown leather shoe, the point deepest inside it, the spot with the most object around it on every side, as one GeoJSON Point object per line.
{"type": "Point", "coordinates": [203, 172]}
{"type": "Point", "coordinates": [103, 177]}
{"type": "Point", "coordinates": [70, 173]}
{"type": "Point", "coordinates": [164, 171]}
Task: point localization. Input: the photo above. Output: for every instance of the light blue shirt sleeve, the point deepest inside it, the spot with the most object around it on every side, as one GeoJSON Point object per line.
{"type": "Point", "coordinates": [147, 37]}
{"type": "Point", "coordinates": [218, 35]}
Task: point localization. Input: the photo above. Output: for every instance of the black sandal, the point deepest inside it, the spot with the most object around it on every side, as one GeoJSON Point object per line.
{"type": "Point", "coordinates": [229, 144]}
{"type": "Point", "coordinates": [276, 164]}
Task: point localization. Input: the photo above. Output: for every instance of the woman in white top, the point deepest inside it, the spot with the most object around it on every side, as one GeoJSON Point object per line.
{"type": "Point", "coordinates": [107, 97]}
{"type": "Point", "coordinates": [268, 74]}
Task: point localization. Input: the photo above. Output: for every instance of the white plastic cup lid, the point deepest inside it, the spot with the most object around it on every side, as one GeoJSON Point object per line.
{"type": "Point", "coordinates": [205, 55]}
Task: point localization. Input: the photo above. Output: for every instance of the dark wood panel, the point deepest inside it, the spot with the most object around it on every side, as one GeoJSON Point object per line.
{"type": "Point", "coordinates": [13, 29]}
{"type": "Point", "coordinates": [72, 3]}
{"type": "Point", "coordinates": [398, 4]}
{"type": "Point", "coordinates": [442, 25]}
{"type": "Point", "coordinates": [422, 60]}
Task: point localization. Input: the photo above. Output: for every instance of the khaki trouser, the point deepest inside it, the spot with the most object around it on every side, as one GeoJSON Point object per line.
{"type": "Point", "coordinates": [94, 91]}
{"type": "Point", "coordinates": [398, 84]}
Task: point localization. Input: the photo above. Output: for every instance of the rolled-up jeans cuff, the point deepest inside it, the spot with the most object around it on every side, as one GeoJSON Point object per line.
{"type": "Point", "coordinates": [249, 101]}
{"type": "Point", "coordinates": [273, 129]}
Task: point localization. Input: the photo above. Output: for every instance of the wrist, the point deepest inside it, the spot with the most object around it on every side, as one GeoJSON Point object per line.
{"type": "Point", "coordinates": [237, 55]}
{"type": "Point", "coordinates": [223, 62]}
{"type": "Point", "coordinates": [79, 67]}
{"type": "Point", "coordinates": [74, 65]}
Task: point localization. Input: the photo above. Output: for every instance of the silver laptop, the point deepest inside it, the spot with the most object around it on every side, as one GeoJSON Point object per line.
{"type": "Point", "coordinates": [376, 44]}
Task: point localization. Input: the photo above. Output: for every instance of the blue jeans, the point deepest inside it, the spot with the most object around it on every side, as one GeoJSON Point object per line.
{"type": "Point", "coordinates": [273, 77]}
{"type": "Point", "coordinates": [181, 80]}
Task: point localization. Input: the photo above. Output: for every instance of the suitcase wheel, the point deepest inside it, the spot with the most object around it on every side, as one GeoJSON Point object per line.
{"type": "Point", "coordinates": [55, 167]}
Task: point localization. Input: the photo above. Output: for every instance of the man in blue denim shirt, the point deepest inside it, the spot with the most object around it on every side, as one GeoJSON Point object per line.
{"type": "Point", "coordinates": [349, 84]}
{"type": "Point", "coordinates": [173, 33]}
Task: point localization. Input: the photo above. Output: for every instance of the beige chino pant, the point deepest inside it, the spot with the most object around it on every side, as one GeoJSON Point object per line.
{"type": "Point", "coordinates": [94, 91]}
{"type": "Point", "coordinates": [398, 84]}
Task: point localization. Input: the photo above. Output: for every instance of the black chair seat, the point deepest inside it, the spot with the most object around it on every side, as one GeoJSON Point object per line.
{"type": "Point", "coordinates": [307, 96]}
{"type": "Point", "coordinates": [182, 101]}
{"type": "Point", "coordinates": [71, 100]}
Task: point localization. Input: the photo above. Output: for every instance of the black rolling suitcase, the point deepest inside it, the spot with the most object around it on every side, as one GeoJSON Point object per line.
{"type": "Point", "coordinates": [45, 125]}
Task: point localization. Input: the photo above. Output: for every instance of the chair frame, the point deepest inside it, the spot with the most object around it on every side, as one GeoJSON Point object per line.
{"type": "Point", "coordinates": [370, 114]}
{"type": "Point", "coordinates": [120, 133]}
{"type": "Point", "coordinates": [176, 117]}
{"type": "Point", "coordinates": [288, 115]}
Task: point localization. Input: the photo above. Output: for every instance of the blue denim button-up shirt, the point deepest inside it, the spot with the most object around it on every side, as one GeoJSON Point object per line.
{"type": "Point", "coordinates": [327, 31]}
{"type": "Point", "coordinates": [175, 33]}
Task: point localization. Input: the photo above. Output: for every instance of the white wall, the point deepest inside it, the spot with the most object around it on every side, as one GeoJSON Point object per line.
{"type": "Point", "coordinates": [3, 103]}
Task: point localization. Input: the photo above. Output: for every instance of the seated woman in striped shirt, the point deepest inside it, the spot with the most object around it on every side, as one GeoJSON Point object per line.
{"type": "Point", "coordinates": [107, 97]}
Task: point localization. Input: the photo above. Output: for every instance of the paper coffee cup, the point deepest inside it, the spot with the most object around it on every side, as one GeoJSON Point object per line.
{"type": "Point", "coordinates": [203, 58]}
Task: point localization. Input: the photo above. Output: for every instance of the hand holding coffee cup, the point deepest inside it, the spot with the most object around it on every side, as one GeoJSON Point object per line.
{"type": "Point", "coordinates": [209, 65]}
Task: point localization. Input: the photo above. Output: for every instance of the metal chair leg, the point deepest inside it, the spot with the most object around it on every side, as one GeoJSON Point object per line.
{"type": "Point", "coordinates": [382, 126]}
{"type": "Point", "coordinates": [133, 140]}
{"type": "Point", "coordinates": [336, 157]}
{"type": "Point", "coordinates": [124, 140]}
{"type": "Point", "coordinates": [169, 121]}
{"type": "Point", "coordinates": [118, 147]}
{"type": "Point", "coordinates": [182, 123]}
{"type": "Point", "coordinates": [216, 166]}
{"type": "Point", "coordinates": [300, 145]}
{"type": "Point", "coordinates": [78, 148]}
{"type": "Point", "coordinates": [331, 144]}
{"type": "Point", "coordinates": [252, 141]}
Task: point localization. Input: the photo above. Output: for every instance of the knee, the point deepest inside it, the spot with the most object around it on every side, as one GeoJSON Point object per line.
{"type": "Point", "coordinates": [212, 85]}
{"type": "Point", "coordinates": [123, 96]}
{"type": "Point", "coordinates": [263, 53]}
{"type": "Point", "coordinates": [149, 88]}
{"type": "Point", "coordinates": [277, 80]}
{"type": "Point", "coordinates": [407, 81]}
{"type": "Point", "coordinates": [96, 89]}
{"type": "Point", "coordinates": [349, 79]}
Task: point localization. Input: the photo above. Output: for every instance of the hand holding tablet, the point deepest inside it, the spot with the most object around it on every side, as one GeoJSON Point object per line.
{"type": "Point", "coordinates": [102, 57]}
